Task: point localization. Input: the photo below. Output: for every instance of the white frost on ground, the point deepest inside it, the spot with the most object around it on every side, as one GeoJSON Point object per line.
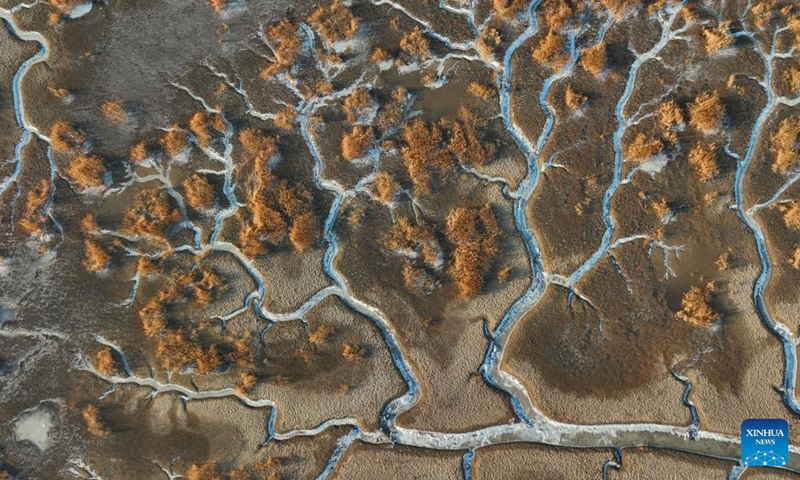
{"type": "Point", "coordinates": [35, 427]}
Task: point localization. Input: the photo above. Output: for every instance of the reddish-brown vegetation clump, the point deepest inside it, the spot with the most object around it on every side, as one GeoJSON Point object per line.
{"type": "Point", "coordinates": [104, 362]}
{"type": "Point", "coordinates": [550, 51]}
{"type": "Point", "coordinates": [356, 142]}
{"type": "Point", "coordinates": [114, 111]}
{"type": "Point", "coordinates": [593, 59]}
{"type": "Point", "coordinates": [174, 141]}
{"type": "Point", "coordinates": [703, 159]}
{"type": "Point", "coordinates": [150, 213]}
{"type": "Point", "coordinates": [351, 352]}
{"type": "Point", "coordinates": [203, 125]}
{"type": "Point", "coordinates": [716, 38]}
{"type": "Point", "coordinates": [462, 139]}
{"type": "Point", "coordinates": [218, 5]}
{"type": "Point", "coordinates": [643, 148]}
{"type": "Point", "coordinates": [508, 9]}
{"type": "Point", "coordinates": [95, 257]}
{"type": "Point", "coordinates": [423, 155]}
{"type": "Point", "coordinates": [198, 192]}
{"type": "Point", "coordinates": [304, 231]}
{"type": "Point", "coordinates": [414, 43]}
{"type": "Point", "coordinates": [706, 112]}
{"type": "Point", "coordinates": [175, 352]}
{"type": "Point", "coordinates": [786, 145]}
{"type": "Point", "coordinates": [669, 114]}
{"type": "Point", "coordinates": [31, 216]}
{"type": "Point", "coordinates": [484, 92]}
{"type": "Point", "coordinates": [203, 471]}
{"type": "Point", "coordinates": [390, 112]}
{"type": "Point", "coordinates": [64, 138]}
{"type": "Point", "coordinates": [138, 152]}
{"type": "Point", "coordinates": [476, 239]}
{"type": "Point", "coordinates": [85, 171]}
{"type": "Point", "coordinates": [695, 308]}
{"type": "Point", "coordinates": [791, 214]}
{"type": "Point", "coordinates": [285, 45]}
{"type": "Point", "coordinates": [794, 258]}
{"type": "Point", "coordinates": [334, 22]}
{"type": "Point", "coordinates": [573, 99]}
{"type": "Point", "coordinates": [385, 187]}
{"type": "Point", "coordinates": [92, 421]}
{"type": "Point", "coordinates": [356, 104]}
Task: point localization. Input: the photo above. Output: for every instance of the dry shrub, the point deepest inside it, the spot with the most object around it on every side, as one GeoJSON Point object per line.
{"type": "Point", "coordinates": [723, 261]}
{"type": "Point", "coordinates": [593, 59]}
{"type": "Point", "coordinates": [304, 232]}
{"type": "Point", "coordinates": [695, 308]}
{"type": "Point", "coordinates": [203, 471]}
{"type": "Point", "coordinates": [643, 148]}
{"type": "Point", "coordinates": [794, 258]}
{"type": "Point", "coordinates": [377, 55]}
{"type": "Point", "coordinates": [174, 141]}
{"type": "Point", "coordinates": [618, 6]}
{"type": "Point", "coordinates": [390, 113]}
{"type": "Point", "coordinates": [150, 212]}
{"type": "Point", "coordinates": [113, 111]}
{"type": "Point", "coordinates": [175, 352]}
{"type": "Point", "coordinates": [356, 142]}
{"type": "Point", "coordinates": [92, 421]}
{"type": "Point", "coordinates": [64, 138]}
{"type": "Point", "coordinates": [504, 273]}
{"type": "Point", "coordinates": [320, 335]}
{"type": "Point", "coordinates": [785, 145]}
{"type": "Point", "coordinates": [462, 139]}
{"type": "Point", "coordinates": [85, 171]}
{"type": "Point", "coordinates": [669, 114]}
{"type": "Point", "coordinates": [706, 112]}
{"type": "Point", "coordinates": [31, 217]}
{"type": "Point", "coordinates": [508, 9]}
{"type": "Point", "coordinates": [356, 104]}
{"type": "Point", "coordinates": [792, 78]}
{"type": "Point", "coordinates": [572, 99]}
{"type": "Point", "coordinates": [415, 43]}
{"type": "Point", "coordinates": [716, 38]}
{"type": "Point", "coordinates": [555, 13]}
{"type": "Point", "coordinates": [282, 37]}
{"type": "Point", "coordinates": [791, 214]}
{"type": "Point", "coordinates": [484, 92]}
{"type": "Point", "coordinates": [89, 224]}
{"type": "Point", "coordinates": [334, 22]}
{"type": "Point", "coordinates": [218, 5]}
{"type": "Point", "coordinates": [152, 317]}
{"type": "Point", "coordinates": [703, 159]}
{"type": "Point", "coordinates": [60, 93]}
{"type": "Point", "coordinates": [385, 187]}
{"type": "Point", "coordinates": [246, 381]}
{"type": "Point", "coordinates": [95, 257]}
{"type": "Point", "coordinates": [64, 6]}
{"type": "Point", "coordinates": [419, 238]}
{"type": "Point", "coordinates": [285, 118]}
{"type": "Point", "coordinates": [104, 362]}
{"type": "Point", "coordinates": [258, 148]}
{"type": "Point", "coordinates": [475, 236]}
{"type": "Point", "coordinates": [351, 352]}
{"type": "Point", "coordinates": [198, 192]}
{"type": "Point", "coordinates": [550, 51]}
{"type": "Point", "coordinates": [203, 125]}
{"type": "Point", "coordinates": [423, 154]}
{"type": "Point", "coordinates": [200, 285]}
{"type": "Point", "coordinates": [138, 152]}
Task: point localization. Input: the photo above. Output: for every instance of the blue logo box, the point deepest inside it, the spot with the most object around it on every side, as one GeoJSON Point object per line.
{"type": "Point", "coordinates": [765, 442]}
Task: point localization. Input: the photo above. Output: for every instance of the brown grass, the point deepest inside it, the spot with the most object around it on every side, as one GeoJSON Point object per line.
{"type": "Point", "coordinates": [304, 232]}
{"type": "Point", "coordinates": [104, 362]}
{"type": "Point", "coordinates": [85, 171]}
{"type": "Point", "coordinates": [198, 192]}
{"type": "Point", "coordinates": [152, 317]}
{"type": "Point", "coordinates": [419, 238]}
{"type": "Point", "coordinates": [462, 139]}
{"type": "Point", "coordinates": [175, 352]}
{"type": "Point", "coordinates": [414, 43]}
{"type": "Point", "coordinates": [791, 214]}
{"type": "Point", "coordinates": [643, 148]}
{"type": "Point", "coordinates": [792, 78]}
{"type": "Point", "coordinates": [352, 353]}
{"type": "Point", "coordinates": [717, 38]}
{"type": "Point", "coordinates": [385, 187]}
{"type": "Point", "coordinates": [475, 236]}
{"type": "Point", "coordinates": [703, 159]}
{"type": "Point", "coordinates": [31, 217]}
{"type": "Point", "coordinates": [706, 112]}
{"type": "Point", "coordinates": [593, 59]}
{"type": "Point", "coordinates": [174, 141]}
{"type": "Point", "coordinates": [669, 114]}
{"type": "Point", "coordinates": [64, 138]}
{"type": "Point", "coordinates": [150, 213]}
{"type": "Point", "coordinates": [356, 104]}
{"type": "Point", "coordinates": [138, 152]}
{"type": "Point", "coordinates": [89, 224]}
{"type": "Point", "coordinates": [203, 125]}
{"type": "Point", "coordinates": [508, 9]}
{"type": "Point", "coordinates": [484, 92]}
{"type": "Point", "coordinates": [794, 258]}
{"type": "Point", "coordinates": [334, 22]}
{"type": "Point", "coordinates": [203, 471]}
{"type": "Point", "coordinates": [572, 99]}
{"type": "Point", "coordinates": [356, 142]}
{"type": "Point", "coordinates": [785, 145]}
{"type": "Point", "coordinates": [550, 51]}
{"type": "Point", "coordinates": [95, 257]}
{"type": "Point", "coordinates": [695, 308]}
{"type": "Point", "coordinates": [423, 155]}
{"type": "Point", "coordinates": [113, 111]}
{"type": "Point", "coordinates": [92, 421]}
{"type": "Point", "coordinates": [64, 6]}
